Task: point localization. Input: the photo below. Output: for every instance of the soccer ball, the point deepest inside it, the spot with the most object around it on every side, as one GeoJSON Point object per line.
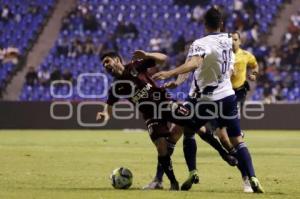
{"type": "Point", "coordinates": [121, 178]}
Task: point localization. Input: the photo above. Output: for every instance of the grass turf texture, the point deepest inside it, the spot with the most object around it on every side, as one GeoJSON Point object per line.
{"type": "Point", "coordinates": [77, 164]}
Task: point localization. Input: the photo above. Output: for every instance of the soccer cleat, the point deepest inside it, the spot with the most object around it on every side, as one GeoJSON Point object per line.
{"type": "Point", "coordinates": [192, 179]}
{"type": "Point", "coordinates": [246, 185]}
{"type": "Point", "coordinates": [256, 186]}
{"type": "Point", "coordinates": [153, 185]}
{"type": "Point", "coordinates": [174, 186]}
{"type": "Point", "coordinates": [231, 160]}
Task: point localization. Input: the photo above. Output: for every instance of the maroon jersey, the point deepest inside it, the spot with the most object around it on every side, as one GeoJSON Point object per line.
{"type": "Point", "coordinates": [136, 85]}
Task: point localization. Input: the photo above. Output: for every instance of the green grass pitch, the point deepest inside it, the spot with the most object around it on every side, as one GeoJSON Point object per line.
{"type": "Point", "coordinates": [77, 164]}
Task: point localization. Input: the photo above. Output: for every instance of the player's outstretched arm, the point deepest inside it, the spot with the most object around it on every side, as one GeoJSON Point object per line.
{"type": "Point", "coordinates": [106, 113]}
{"type": "Point", "coordinates": [180, 79]}
{"type": "Point", "coordinates": [159, 58]}
{"type": "Point", "coordinates": [189, 66]}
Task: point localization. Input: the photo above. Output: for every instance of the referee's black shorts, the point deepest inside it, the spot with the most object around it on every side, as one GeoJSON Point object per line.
{"type": "Point", "coordinates": [241, 92]}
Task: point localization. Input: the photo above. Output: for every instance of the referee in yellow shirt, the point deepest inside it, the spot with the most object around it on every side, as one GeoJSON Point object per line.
{"type": "Point", "coordinates": [244, 60]}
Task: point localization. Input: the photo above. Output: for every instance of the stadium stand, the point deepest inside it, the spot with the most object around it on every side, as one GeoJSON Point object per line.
{"type": "Point", "coordinates": [280, 74]}
{"type": "Point", "coordinates": [169, 26]}
{"type": "Point", "coordinates": [20, 24]}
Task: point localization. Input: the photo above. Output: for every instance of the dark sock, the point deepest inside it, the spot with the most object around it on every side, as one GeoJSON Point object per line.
{"type": "Point", "coordinates": [239, 166]}
{"type": "Point", "coordinates": [171, 147]}
{"type": "Point", "coordinates": [242, 170]}
{"type": "Point", "coordinates": [245, 161]}
{"type": "Point", "coordinates": [159, 173]}
{"type": "Point", "coordinates": [159, 169]}
{"type": "Point", "coordinates": [190, 151]}
{"type": "Point", "coordinates": [166, 164]}
{"type": "Point", "coordinates": [214, 142]}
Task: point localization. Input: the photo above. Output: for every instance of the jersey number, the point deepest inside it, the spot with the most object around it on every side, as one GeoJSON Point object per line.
{"type": "Point", "coordinates": [226, 55]}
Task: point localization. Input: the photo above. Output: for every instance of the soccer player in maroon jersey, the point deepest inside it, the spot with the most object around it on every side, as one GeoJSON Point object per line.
{"type": "Point", "coordinates": [133, 83]}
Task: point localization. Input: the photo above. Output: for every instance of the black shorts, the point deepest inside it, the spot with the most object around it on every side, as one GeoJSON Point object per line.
{"type": "Point", "coordinates": [228, 108]}
{"type": "Point", "coordinates": [241, 92]}
{"type": "Point", "coordinates": [176, 113]}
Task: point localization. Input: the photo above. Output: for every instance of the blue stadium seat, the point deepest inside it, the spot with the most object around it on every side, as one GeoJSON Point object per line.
{"type": "Point", "coordinates": [147, 15]}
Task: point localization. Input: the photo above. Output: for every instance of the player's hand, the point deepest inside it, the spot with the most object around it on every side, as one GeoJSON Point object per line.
{"type": "Point", "coordinates": [171, 85]}
{"type": "Point", "coordinates": [139, 54]}
{"type": "Point", "coordinates": [162, 75]}
{"type": "Point", "coordinates": [101, 115]}
{"type": "Point", "coordinates": [252, 77]}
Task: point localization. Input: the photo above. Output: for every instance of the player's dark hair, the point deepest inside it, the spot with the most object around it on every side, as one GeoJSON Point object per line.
{"type": "Point", "coordinates": [213, 18]}
{"type": "Point", "coordinates": [111, 54]}
{"type": "Point", "coordinates": [236, 32]}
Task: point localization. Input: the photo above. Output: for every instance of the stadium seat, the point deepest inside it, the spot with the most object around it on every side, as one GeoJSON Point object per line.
{"type": "Point", "coordinates": [149, 19]}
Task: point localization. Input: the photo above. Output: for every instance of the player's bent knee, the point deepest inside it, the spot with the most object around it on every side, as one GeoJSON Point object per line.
{"type": "Point", "coordinates": [176, 133]}
{"type": "Point", "coordinates": [235, 141]}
